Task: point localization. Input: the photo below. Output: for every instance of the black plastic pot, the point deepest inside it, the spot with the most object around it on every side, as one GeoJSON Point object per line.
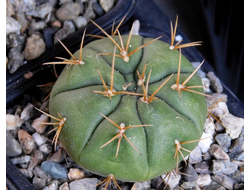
{"type": "Point", "coordinates": [153, 24]}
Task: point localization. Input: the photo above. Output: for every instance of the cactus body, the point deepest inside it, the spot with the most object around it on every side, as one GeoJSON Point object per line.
{"type": "Point", "coordinates": [86, 130]}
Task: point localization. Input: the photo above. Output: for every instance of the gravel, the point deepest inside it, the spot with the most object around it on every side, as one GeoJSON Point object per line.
{"type": "Point", "coordinates": [36, 24]}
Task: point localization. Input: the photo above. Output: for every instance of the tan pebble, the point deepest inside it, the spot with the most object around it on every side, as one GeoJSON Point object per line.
{"type": "Point", "coordinates": [38, 123]}
{"type": "Point", "coordinates": [56, 23]}
{"type": "Point", "coordinates": [28, 75]}
{"type": "Point", "coordinates": [75, 174]}
{"type": "Point", "coordinates": [26, 140]}
{"type": "Point", "coordinates": [12, 121]}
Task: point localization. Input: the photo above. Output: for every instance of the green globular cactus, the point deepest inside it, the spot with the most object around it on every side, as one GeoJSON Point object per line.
{"type": "Point", "coordinates": [134, 132]}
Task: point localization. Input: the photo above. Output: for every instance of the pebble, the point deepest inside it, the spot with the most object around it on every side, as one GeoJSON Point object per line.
{"type": "Point", "coordinates": [68, 11]}
{"type": "Point", "coordinates": [27, 126]}
{"type": "Point", "coordinates": [141, 185]}
{"type": "Point", "coordinates": [42, 11]}
{"type": "Point", "coordinates": [21, 159]}
{"type": "Point", "coordinates": [36, 158]}
{"type": "Point", "coordinates": [200, 73]}
{"type": "Point", "coordinates": [26, 141]}
{"type": "Point", "coordinates": [106, 4]}
{"type": "Point", "coordinates": [27, 5]}
{"type": "Point", "coordinates": [64, 186]}
{"type": "Point", "coordinates": [35, 46]}
{"type": "Point", "coordinates": [84, 184]}
{"type": "Point", "coordinates": [172, 180]}
{"type": "Point", "coordinates": [203, 180]}
{"type": "Point", "coordinates": [9, 9]}
{"type": "Point", "coordinates": [98, 9]}
{"type": "Point", "coordinates": [203, 167]}
{"type": "Point", "coordinates": [53, 185]}
{"type": "Point", "coordinates": [219, 128]}
{"type": "Point", "coordinates": [12, 26]}
{"type": "Point", "coordinates": [189, 184]}
{"type": "Point", "coordinates": [38, 123]}
{"type": "Point", "coordinates": [15, 60]}
{"type": "Point", "coordinates": [206, 142]}
{"type": "Point", "coordinates": [21, 18]}
{"type": "Point", "coordinates": [55, 170]}
{"type": "Point", "coordinates": [224, 180]}
{"type": "Point", "coordinates": [233, 125]}
{"type": "Point", "coordinates": [39, 139]}
{"type": "Point", "coordinates": [215, 82]}
{"type": "Point", "coordinates": [28, 174]}
{"type": "Point", "coordinates": [65, 1]}
{"type": "Point", "coordinates": [27, 112]}
{"type": "Point", "coordinates": [13, 148]}
{"type": "Point", "coordinates": [48, 34]}
{"type": "Point", "coordinates": [68, 28]}
{"type": "Point", "coordinates": [57, 157]}
{"type": "Point", "coordinates": [39, 183]}
{"type": "Point", "coordinates": [80, 22]}
{"type": "Point", "coordinates": [136, 27]}
{"type": "Point", "coordinates": [223, 167]}
{"type": "Point", "coordinates": [213, 185]}
{"type": "Point", "coordinates": [36, 25]}
{"type": "Point", "coordinates": [45, 148]}
{"type": "Point", "coordinates": [224, 141]}
{"type": "Point", "coordinates": [195, 156]}
{"type": "Point", "coordinates": [238, 186]}
{"type": "Point", "coordinates": [75, 174]}
{"type": "Point", "coordinates": [216, 97]}
{"type": "Point", "coordinates": [237, 145]}
{"type": "Point", "coordinates": [191, 173]}
{"type": "Point", "coordinates": [209, 127]}
{"type": "Point", "coordinates": [12, 122]}
{"type": "Point", "coordinates": [206, 85]}
{"type": "Point", "coordinates": [89, 12]}
{"type": "Point", "coordinates": [237, 156]}
{"type": "Point", "coordinates": [237, 176]}
{"type": "Point", "coordinates": [216, 151]}
{"type": "Point", "coordinates": [38, 172]}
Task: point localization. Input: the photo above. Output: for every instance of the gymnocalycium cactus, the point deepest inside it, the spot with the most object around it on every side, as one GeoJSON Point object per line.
{"type": "Point", "coordinates": [128, 131]}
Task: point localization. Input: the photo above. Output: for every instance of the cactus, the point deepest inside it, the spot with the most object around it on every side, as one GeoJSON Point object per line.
{"type": "Point", "coordinates": [127, 106]}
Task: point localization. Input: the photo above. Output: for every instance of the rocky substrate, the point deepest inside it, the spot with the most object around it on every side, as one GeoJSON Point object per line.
{"type": "Point", "coordinates": [34, 25]}
{"type": "Point", "coordinates": [217, 163]}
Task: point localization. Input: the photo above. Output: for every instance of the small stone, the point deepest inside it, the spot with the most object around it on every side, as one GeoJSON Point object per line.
{"type": "Point", "coordinates": [20, 160]}
{"type": "Point", "coordinates": [191, 173]}
{"type": "Point", "coordinates": [68, 11]}
{"type": "Point", "coordinates": [219, 128]}
{"type": "Point", "coordinates": [55, 170]}
{"type": "Point", "coordinates": [27, 112]}
{"type": "Point", "coordinates": [21, 18]}
{"type": "Point", "coordinates": [68, 28]}
{"type": "Point", "coordinates": [39, 139]}
{"type": "Point", "coordinates": [38, 172]}
{"type": "Point", "coordinates": [209, 127]}
{"type": "Point", "coordinates": [12, 26]}
{"type": "Point", "coordinates": [26, 140]}
{"type": "Point", "coordinates": [215, 98]}
{"type": "Point", "coordinates": [35, 46]}
{"type": "Point", "coordinates": [97, 9]}
{"type": "Point", "coordinates": [207, 156]}
{"type": "Point", "coordinates": [37, 25]}
{"type": "Point", "coordinates": [172, 180]}
{"type": "Point", "coordinates": [36, 158]}
{"type": "Point", "coordinates": [206, 85]}
{"type": "Point", "coordinates": [75, 174]}
{"type": "Point", "coordinates": [38, 123]}
{"type": "Point", "coordinates": [64, 186]}
{"type": "Point", "coordinates": [28, 5]}
{"type": "Point", "coordinates": [200, 73]}
{"type": "Point", "coordinates": [39, 183]}
{"type": "Point", "coordinates": [28, 174]}
{"type": "Point", "coordinates": [89, 13]}
{"type": "Point", "coordinates": [239, 156]}
{"type": "Point", "coordinates": [189, 185]}
{"type": "Point", "coordinates": [206, 142]}
{"type": "Point", "coordinates": [42, 11]}
{"type": "Point", "coordinates": [9, 9]}
{"type": "Point", "coordinates": [237, 176]}
{"type": "Point", "coordinates": [203, 180]}
{"type": "Point", "coordinates": [13, 148]}
{"type": "Point", "coordinates": [224, 180]}
{"type": "Point", "coordinates": [223, 140]}
{"type": "Point", "coordinates": [65, 1]}
{"type": "Point", "coordinates": [141, 185]}
{"type": "Point", "coordinates": [223, 166]}
{"type": "Point", "coordinates": [57, 157]}
{"type": "Point", "coordinates": [106, 4]}
{"type": "Point", "coordinates": [238, 186]}
{"type": "Point", "coordinates": [48, 34]}
{"type": "Point", "coordinates": [216, 151]}
{"type": "Point", "coordinates": [27, 126]}
{"type": "Point", "coordinates": [15, 60]}
{"type": "Point", "coordinates": [56, 23]}
{"type": "Point", "coordinates": [80, 22]}
{"type": "Point", "coordinates": [233, 125]}
{"type": "Point", "coordinates": [45, 148]}
{"type": "Point", "coordinates": [54, 185]}
{"type": "Point", "coordinates": [215, 82]}
{"type": "Point", "coordinates": [136, 28]}
{"type": "Point", "coordinates": [237, 146]}
{"type": "Point", "coordinates": [203, 167]}
{"type": "Point", "coordinates": [195, 156]}
{"type": "Point", "coordinates": [83, 184]}
{"type": "Point", "coordinates": [12, 122]}
{"type": "Point", "coordinates": [220, 188]}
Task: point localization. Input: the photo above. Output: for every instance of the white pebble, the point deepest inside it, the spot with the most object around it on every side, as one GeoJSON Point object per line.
{"type": "Point", "coordinates": [12, 121]}
{"type": "Point", "coordinates": [136, 27]}
{"type": "Point", "coordinates": [25, 115]}
{"type": "Point", "coordinates": [205, 144]}
{"type": "Point", "coordinates": [39, 139]}
{"type": "Point", "coordinates": [203, 180]}
{"type": "Point", "coordinates": [209, 127]}
{"type": "Point", "coordinates": [172, 180]}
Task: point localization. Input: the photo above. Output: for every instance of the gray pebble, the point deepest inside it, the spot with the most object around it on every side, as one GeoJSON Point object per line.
{"type": "Point", "coordinates": [98, 9]}
{"type": "Point", "coordinates": [239, 156]}
{"type": "Point", "coordinates": [219, 128]}
{"type": "Point", "coordinates": [68, 11]}
{"type": "Point", "coordinates": [223, 167]}
{"type": "Point", "coordinates": [216, 97]}
{"type": "Point", "coordinates": [84, 184]}
{"type": "Point", "coordinates": [37, 25]}
{"type": "Point", "coordinates": [28, 5]}
{"type": "Point", "coordinates": [48, 34]}
{"type": "Point", "coordinates": [36, 158]}
{"type": "Point", "coordinates": [207, 156]}
{"type": "Point", "coordinates": [89, 13]}
{"type": "Point", "coordinates": [15, 60]}
{"type": "Point", "coordinates": [64, 186]}
{"type": "Point", "coordinates": [237, 176]}
{"type": "Point", "coordinates": [13, 148]}
{"type": "Point", "coordinates": [188, 185]}
{"type": "Point", "coordinates": [233, 125]}
{"type": "Point", "coordinates": [213, 185]}
{"type": "Point", "coordinates": [239, 186]}
{"type": "Point", "coordinates": [80, 22]}
{"type": "Point", "coordinates": [68, 28]}
{"type": "Point", "coordinates": [55, 170]}
{"type": "Point", "coordinates": [191, 173]}
{"type": "Point", "coordinates": [65, 1]}
{"type": "Point", "coordinates": [21, 18]}
{"type": "Point", "coordinates": [200, 73]}
{"type": "Point", "coordinates": [224, 180]}
{"type": "Point", "coordinates": [237, 145]}
{"type": "Point", "coordinates": [27, 112]}
{"type": "Point", "coordinates": [39, 183]}
{"type": "Point", "coordinates": [216, 151]}
{"type": "Point", "coordinates": [203, 167]}
{"type": "Point", "coordinates": [195, 156]}
{"type": "Point", "coordinates": [223, 140]}
{"type": "Point", "coordinates": [220, 188]}
{"type": "Point", "coordinates": [107, 4]}
{"type": "Point", "coordinates": [27, 173]}
{"type": "Point", "coordinates": [38, 172]}
{"type": "Point", "coordinates": [215, 82]}
{"type": "Point", "coordinates": [45, 148]}
{"type": "Point", "coordinates": [20, 160]}
{"type": "Point", "coordinates": [141, 185]}
{"type": "Point", "coordinates": [57, 157]}
{"type": "Point", "coordinates": [12, 26]}
{"type": "Point", "coordinates": [42, 11]}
